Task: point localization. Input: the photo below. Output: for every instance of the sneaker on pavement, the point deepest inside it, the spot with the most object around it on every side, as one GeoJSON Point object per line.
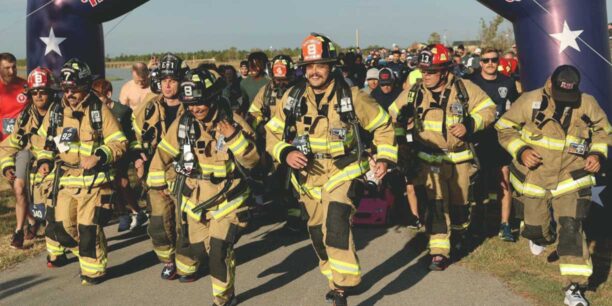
{"type": "Point", "coordinates": [438, 263]}
{"type": "Point", "coordinates": [17, 240]}
{"type": "Point", "coordinates": [574, 297]}
{"type": "Point", "coordinates": [505, 233]}
{"type": "Point", "coordinates": [59, 261]}
{"type": "Point", "coordinates": [536, 249]}
{"type": "Point", "coordinates": [169, 271]}
{"type": "Point", "coordinates": [138, 219]}
{"type": "Point", "coordinates": [125, 222]}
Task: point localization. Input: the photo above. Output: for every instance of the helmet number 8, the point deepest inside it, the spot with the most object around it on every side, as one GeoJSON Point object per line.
{"type": "Point", "coordinates": [38, 80]}
{"type": "Point", "coordinates": [188, 91]}
{"type": "Point", "coordinates": [312, 49]}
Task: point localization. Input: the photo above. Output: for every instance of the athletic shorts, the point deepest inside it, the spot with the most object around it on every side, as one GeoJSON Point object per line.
{"type": "Point", "coordinates": [23, 162]}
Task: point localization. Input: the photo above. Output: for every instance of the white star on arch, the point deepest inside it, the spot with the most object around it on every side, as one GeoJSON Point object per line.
{"type": "Point", "coordinates": [52, 43]}
{"type": "Point", "coordinates": [567, 38]}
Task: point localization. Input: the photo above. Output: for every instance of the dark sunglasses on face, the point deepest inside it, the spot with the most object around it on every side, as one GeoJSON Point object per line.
{"type": "Point", "coordinates": [490, 60]}
{"type": "Point", "coordinates": [36, 92]}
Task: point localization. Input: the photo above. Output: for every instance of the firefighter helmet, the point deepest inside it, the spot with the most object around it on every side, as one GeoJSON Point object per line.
{"type": "Point", "coordinates": [317, 48]}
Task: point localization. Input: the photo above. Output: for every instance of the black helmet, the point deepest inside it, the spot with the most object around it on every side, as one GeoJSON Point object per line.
{"type": "Point", "coordinates": [200, 87]}
{"type": "Point", "coordinates": [155, 80]}
{"type": "Point", "coordinates": [283, 67]}
{"type": "Point", "coordinates": [76, 74]}
{"type": "Point", "coordinates": [172, 66]}
{"type": "Point", "coordinates": [317, 48]}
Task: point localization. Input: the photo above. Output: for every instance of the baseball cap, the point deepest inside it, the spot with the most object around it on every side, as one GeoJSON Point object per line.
{"type": "Point", "coordinates": [372, 74]}
{"type": "Point", "coordinates": [565, 82]}
{"type": "Point", "coordinates": [386, 77]}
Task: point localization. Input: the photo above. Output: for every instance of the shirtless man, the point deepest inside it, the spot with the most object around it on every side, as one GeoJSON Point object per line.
{"type": "Point", "coordinates": [136, 90]}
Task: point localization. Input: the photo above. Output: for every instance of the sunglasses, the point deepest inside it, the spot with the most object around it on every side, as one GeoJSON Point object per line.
{"type": "Point", "coordinates": [490, 60]}
{"type": "Point", "coordinates": [36, 92]}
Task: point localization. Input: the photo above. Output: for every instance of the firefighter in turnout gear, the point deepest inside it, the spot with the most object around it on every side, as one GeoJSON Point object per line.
{"type": "Point", "coordinates": [558, 138]}
{"type": "Point", "coordinates": [82, 140]}
{"type": "Point", "coordinates": [151, 122]}
{"type": "Point", "coordinates": [315, 131]}
{"type": "Point", "coordinates": [209, 148]}
{"type": "Point", "coordinates": [41, 93]}
{"type": "Point", "coordinates": [445, 112]}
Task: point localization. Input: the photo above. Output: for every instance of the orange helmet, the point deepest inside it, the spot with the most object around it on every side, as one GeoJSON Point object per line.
{"type": "Point", "coordinates": [317, 48]}
{"type": "Point", "coordinates": [434, 57]}
{"type": "Point", "coordinates": [40, 78]}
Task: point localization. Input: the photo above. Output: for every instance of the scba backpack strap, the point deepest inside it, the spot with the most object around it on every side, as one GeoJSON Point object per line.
{"type": "Point", "coordinates": [186, 137]}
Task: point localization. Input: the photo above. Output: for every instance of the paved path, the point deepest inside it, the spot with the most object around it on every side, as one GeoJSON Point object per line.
{"type": "Point", "coordinates": [275, 268]}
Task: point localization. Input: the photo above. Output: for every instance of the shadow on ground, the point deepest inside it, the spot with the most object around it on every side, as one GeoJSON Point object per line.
{"type": "Point", "coordinates": [17, 285]}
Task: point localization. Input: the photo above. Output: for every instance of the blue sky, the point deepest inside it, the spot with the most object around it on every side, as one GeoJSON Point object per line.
{"type": "Point", "coordinates": [198, 24]}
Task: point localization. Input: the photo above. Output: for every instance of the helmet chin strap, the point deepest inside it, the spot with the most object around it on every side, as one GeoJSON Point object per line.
{"type": "Point", "coordinates": [442, 81]}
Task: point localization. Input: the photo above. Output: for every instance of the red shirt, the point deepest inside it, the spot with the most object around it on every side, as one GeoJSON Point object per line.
{"type": "Point", "coordinates": [12, 102]}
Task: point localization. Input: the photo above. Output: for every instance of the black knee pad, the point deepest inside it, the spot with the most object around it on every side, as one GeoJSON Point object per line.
{"type": "Point", "coordinates": [57, 232]}
{"type": "Point", "coordinates": [337, 224]}
{"type": "Point", "coordinates": [356, 191]}
{"type": "Point", "coordinates": [50, 216]}
{"type": "Point", "coordinates": [217, 259]}
{"type": "Point", "coordinates": [570, 237]}
{"type": "Point", "coordinates": [316, 235]}
{"type": "Point", "coordinates": [157, 232]}
{"type": "Point", "coordinates": [102, 215]}
{"type": "Point", "coordinates": [193, 250]}
{"type": "Point", "coordinates": [87, 240]}
{"type": "Point", "coordinates": [436, 222]}
{"type": "Point", "coordinates": [535, 233]}
{"type": "Point", "coordinates": [459, 214]}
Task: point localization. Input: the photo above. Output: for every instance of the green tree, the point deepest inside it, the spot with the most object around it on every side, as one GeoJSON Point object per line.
{"type": "Point", "coordinates": [491, 36]}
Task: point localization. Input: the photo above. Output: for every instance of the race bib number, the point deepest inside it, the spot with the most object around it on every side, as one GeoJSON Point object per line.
{"type": "Point", "coordinates": [8, 125]}
{"type": "Point", "coordinates": [61, 146]}
{"type": "Point", "coordinates": [69, 135]}
{"type": "Point", "coordinates": [302, 143]}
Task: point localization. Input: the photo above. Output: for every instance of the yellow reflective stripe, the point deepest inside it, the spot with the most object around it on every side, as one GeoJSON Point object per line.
{"type": "Point", "coordinates": [218, 170]}
{"type": "Point", "coordinates": [228, 206]}
{"type": "Point", "coordinates": [459, 227]}
{"type": "Point", "coordinates": [278, 148]}
{"type": "Point", "coordinates": [344, 267]}
{"type": "Point", "coordinates": [542, 141]}
{"type": "Point", "coordinates": [93, 267]}
{"type": "Point", "coordinates": [185, 268]}
{"type": "Point", "coordinates": [7, 162]}
{"type": "Point", "coordinates": [433, 126]}
{"type": "Point", "coordinates": [165, 254]}
{"type": "Point", "coordinates": [156, 178]}
{"type": "Point", "coordinates": [347, 174]}
{"type": "Point", "coordinates": [318, 145]}
{"type": "Point", "coordinates": [55, 250]}
{"type": "Point", "coordinates": [135, 145]}
{"type": "Point", "coordinates": [386, 151]}
{"type": "Point", "coordinates": [478, 122]}
{"type": "Point", "coordinates": [327, 273]}
{"type": "Point", "coordinates": [452, 157]}
{"type": "Point", "coordinates": [187, 206]}
{"type": "Point", "coordinates": [164, 145]}
{"type": "Point", "coordinates": [600, 147]}
{"type": "Point", "coordinates": [379, 120]}
{"type": "Point", "coordinates": [108, 152]}
{"type": "Point", "coordinates": [84, 181]}
{"type": "Point", "coordinates": [14, 142]}
{"type": "Point", "coordinates": [439, 244]}
{"type": "Point", "coordinates": [579, 270]}
{"type": "Point", "coordinates": [44, 154]}
{"type": "Point", "coordinates": [571, 185]}
{"type": "Point", "coordinates": [393, 109]}
{"type": "Point", "coordinates": [336, 147]}
{"type": "Point", "coordinates": [514, 146]}
{"type": "Point", "coordinates": [312, 192]}
{"type": "Point", "coordinates": [219, 290]}
{"type": "Point", "coordinates": [254, 108]}
{"type": "Point", "coordinates": [116, 136]}
{"type": "Point", "coordinates": [238, 145]}
{"type": "Point", "coordinates": [276, 125]}
{"type": "Point", "coordinates": [400, 131]}
{"type": "Point", "coordinates": [482, 105]}
{"type": "Point", "coordinates": [504, 123]}
{"type": "Point", "coordinates": [525, 188]}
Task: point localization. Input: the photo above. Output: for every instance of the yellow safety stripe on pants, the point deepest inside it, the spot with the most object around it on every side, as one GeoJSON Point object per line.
{"type": "Point", "coordinates": [478, 122]}
{"type": "Point", "coordinates": [482, 105]}
{"type": "Point", "coordinates": [452, 157]}
{"type": "Point", "coordinates": [576, 270]}
{"type": "Point", "coordinates": [387, 152]}
{"type": "Point", "coordinates": [219, 290]}
{"type": "Point", "coordinates": [504, 123]}
{"type": "Point", "coordinates": [228, 206]}
{"type": "Point", "coordinates": [75, 252]}
{"type": "Point", "coordinates": [276, 125]}
{"type": "Point", "coordinates": [184, 268]}
{"type": "Point", "coordinates": [164, 254]}
{"type": "Point", "coordinates": [381, 118]}
{"type": "Point", "coordinates": [571, 185]}
{"type": "Point", "coordinates": [55, 250]}
{"type": "Point", "coordinates": [86, 181]}
{"type": "Point", "coordinates": [600, 147]}
{"type": "Point", "coordinates": [278, 148]}
{"type": "Point", "coordinates": [514, 146]}
{"type": "Point", "coordinates": [344, 267]}
{"type": "Point", "coordinates": [393, 109]}
{"type": "Point", "coordinates": [164, 145]}
{"type": "Point", "coordinates": [526, 189]}
{"type": "Point", "coordinates": [8, 161]}
{"type": "Point", "coordinates": [156, 179]}
{"type": "Point", "coordinates": [439, 244]}
{"type": "Point", "coordinates": [311, 192]}
{"type": "Point", "coordinates": [432, 126]}
{"type": "Point", "coordinates": [238, 145]}
{"type": "Point", "coordinates": [328, 274]}
{"type": "Point", "coordinates": [116, 136]}
{"type": "Point", "coordinates": [92, 267]}
{"type": "Point", "coordinates": [347, 174]}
